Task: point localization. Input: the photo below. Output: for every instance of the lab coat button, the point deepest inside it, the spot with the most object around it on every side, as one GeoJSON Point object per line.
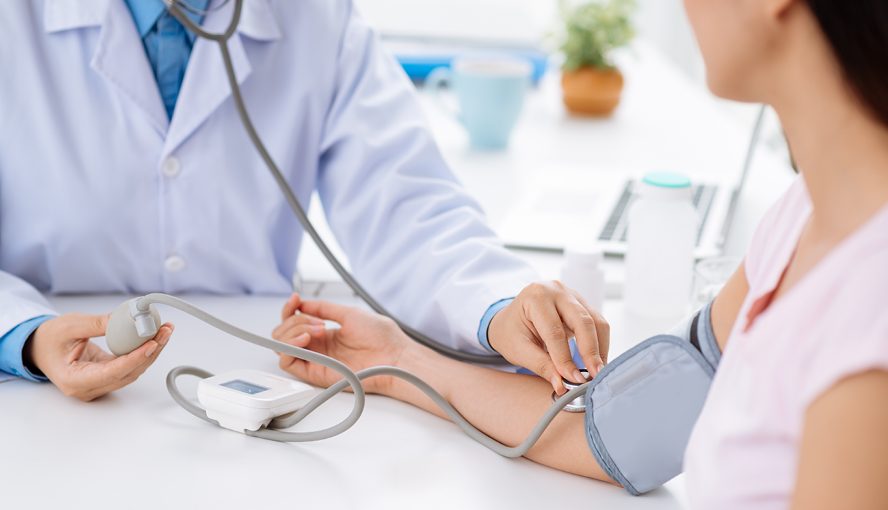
{"type": "Point", "coordinates": [174, 263]}
{"type": "Point", "coordinates": [171, 167]}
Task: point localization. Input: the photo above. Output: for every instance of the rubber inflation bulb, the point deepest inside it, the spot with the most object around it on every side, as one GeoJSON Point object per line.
{"type": "Point", "coordinates": [121, 334]}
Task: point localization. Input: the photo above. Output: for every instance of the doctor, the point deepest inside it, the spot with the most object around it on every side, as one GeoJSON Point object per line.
{"type": "Point", "coordinates": [124, 168]}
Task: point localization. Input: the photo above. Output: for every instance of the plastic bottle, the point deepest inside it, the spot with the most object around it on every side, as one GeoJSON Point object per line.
{"type": "Point", "coordinates": [582, 272]}
{"type": "Point", "coordinates": [662, 235]}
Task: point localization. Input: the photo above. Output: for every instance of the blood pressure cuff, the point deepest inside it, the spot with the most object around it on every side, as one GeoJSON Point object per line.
{"type": "Point", "coordinates": [641, 407]}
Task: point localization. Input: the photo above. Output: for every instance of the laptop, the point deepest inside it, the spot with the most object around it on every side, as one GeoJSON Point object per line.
{"type": "Point", "coordinates": [554, 214]}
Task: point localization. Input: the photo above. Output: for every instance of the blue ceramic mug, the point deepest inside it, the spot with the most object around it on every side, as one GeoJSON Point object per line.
{"type": "Point", "coordinates": [490, 95]}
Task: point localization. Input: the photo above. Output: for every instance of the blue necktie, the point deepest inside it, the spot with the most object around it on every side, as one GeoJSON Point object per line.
{"type": "Point", "coordinates": [167, 44]}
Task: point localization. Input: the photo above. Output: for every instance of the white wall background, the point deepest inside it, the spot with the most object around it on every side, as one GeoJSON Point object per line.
{"type": "Point", "coordinates": [662, 22]}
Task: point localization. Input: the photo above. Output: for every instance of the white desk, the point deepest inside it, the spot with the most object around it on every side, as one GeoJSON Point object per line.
{"type": "Point", "coordinates": [137, 449]}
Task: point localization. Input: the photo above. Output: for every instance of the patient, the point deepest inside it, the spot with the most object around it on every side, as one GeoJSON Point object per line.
{"type": "Point", "coordinates": [796, 416]}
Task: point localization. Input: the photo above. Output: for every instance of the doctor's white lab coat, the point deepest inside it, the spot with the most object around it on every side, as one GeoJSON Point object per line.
{"type": "Point", "coordinates": [100, 193]}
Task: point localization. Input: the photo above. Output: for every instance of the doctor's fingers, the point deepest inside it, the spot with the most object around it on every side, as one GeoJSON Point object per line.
{"type": "Point", "coordinates": [90, 380]}
{"type": "Point", "coordinates": [602, 327]}
{"type": "Point", "coordinates": [130, 366]}
{"type": "Point", "coordinates": [550, 328]}
{"type": "Point", "coordinates": [537, 360]}
{"type": "Point", "coordinates": [583, 324]}
{"type": "Point", "coordinates": [75, 326]}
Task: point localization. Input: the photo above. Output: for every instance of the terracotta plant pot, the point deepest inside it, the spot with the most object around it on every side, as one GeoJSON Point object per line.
{"type": "Point", "coordinates": [592, 91]}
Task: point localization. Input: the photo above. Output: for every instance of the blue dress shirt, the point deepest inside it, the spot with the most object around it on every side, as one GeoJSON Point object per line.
{"type": "Point", "coordinates": [485, 321]}
{"type": "Point", "coordinates": [13, 343]}
{"type": "Point", "coordinates": [167, 44]}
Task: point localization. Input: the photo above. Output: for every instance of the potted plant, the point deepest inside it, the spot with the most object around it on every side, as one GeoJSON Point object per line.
{"type": "Point", "coordinates": [590, 81]}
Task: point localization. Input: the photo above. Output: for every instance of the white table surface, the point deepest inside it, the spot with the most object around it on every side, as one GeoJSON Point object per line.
{"type": "Point", "coordinates": [138, 449]}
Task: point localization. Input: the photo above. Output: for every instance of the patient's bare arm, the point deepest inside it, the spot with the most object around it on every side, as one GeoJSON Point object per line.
{"type": "Point", "coordinates": [504, 406]}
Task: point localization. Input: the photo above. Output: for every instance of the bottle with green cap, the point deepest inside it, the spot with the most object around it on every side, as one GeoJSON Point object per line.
{"type": "Point", "coordinates": [662, 233]}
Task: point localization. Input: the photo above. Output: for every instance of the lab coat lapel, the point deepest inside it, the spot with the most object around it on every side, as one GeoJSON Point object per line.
{"type": "Point", "coordinates": [120, 58]}
{"type": "Point", "coordinates": [205, 85]}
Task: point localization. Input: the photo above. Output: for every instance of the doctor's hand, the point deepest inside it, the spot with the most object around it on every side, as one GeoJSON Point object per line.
{"type": "Point", "coordinates": [533, 332]}
{"type": "Point", "coordinates": [62, 350]}
{"type": "Point", "coordinates": [362, 340]}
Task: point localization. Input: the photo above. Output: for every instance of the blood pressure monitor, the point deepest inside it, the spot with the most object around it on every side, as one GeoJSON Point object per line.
{"type": "Point", "coordinates": [243, 400]}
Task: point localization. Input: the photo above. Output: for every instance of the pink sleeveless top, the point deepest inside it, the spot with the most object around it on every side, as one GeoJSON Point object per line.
{"type": "Point", "coordinates": [833, 323]}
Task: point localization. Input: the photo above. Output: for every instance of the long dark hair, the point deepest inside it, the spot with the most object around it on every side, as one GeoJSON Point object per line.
{"type": "Point", "coordinates": [858, 33]}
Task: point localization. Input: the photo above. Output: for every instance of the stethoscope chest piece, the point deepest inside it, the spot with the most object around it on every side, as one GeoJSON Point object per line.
{"type": "Point", "coordinates": [577, 405]}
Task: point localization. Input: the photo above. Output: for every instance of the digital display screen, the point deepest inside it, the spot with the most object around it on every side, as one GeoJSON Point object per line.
{"type": "Point", "coordinates": [245, 387]}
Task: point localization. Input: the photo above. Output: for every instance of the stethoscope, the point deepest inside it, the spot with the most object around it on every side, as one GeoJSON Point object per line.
{"type": "Point", "coordinates": [137, 320]}
{"type": "Point", "coordinates": [175, 8]}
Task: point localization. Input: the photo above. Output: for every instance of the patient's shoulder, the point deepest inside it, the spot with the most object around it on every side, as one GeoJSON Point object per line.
{"type": "Point", "coordinates": [861, 300]}
{"type": "Point", "coordinates": [854, 317]}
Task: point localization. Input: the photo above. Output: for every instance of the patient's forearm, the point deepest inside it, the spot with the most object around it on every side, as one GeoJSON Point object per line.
{"type": "Point", "coordinates": [502, 405]}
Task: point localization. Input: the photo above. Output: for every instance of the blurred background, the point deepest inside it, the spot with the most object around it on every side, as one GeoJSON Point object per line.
{"type": "Point", "coordinates": [618, 91]}
{"type": "Point", "coordinates": [536, 24]}
{"type": "Point", "coordinates": [525, 23]}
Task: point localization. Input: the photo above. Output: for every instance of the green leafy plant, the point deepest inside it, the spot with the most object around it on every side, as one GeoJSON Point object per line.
{"type": "Point", "coordinates": [593, 29]}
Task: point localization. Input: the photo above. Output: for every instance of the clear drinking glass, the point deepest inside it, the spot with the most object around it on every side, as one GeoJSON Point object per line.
{"type": "Point", "coordinates": [710, 275]}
